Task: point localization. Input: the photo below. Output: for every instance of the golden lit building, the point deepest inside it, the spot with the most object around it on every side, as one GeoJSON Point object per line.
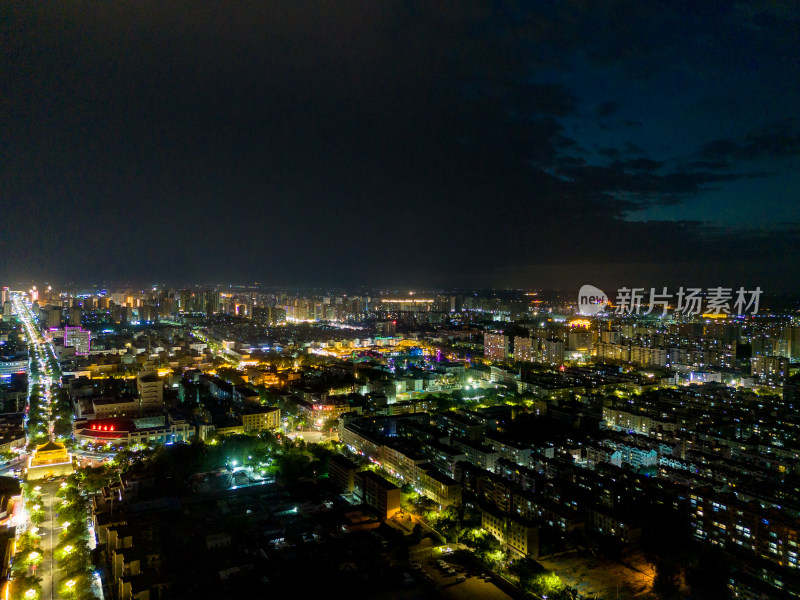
{"type": "Point", "coordinates": [49, 460]}
{"type": "Point", "coordinates": [229, 429]}
{"type": "Point", "coordinates": [261, 419]}
{"type": "Point", "coordinates": [377, 492]}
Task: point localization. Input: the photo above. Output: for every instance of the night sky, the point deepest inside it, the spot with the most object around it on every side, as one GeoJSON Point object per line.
{"type": "Point", "coordinates": [531, 144]}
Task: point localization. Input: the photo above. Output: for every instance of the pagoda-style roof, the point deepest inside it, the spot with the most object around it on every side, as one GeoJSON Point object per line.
{"type": "Point", "coordinates": [50, 446]}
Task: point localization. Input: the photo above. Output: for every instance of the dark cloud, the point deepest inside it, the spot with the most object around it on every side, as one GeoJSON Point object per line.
{"type": "Point", "coordinates": [606, 109]}
{"type": "Point", "coordinates": [641, 164]}
{"type": "Point", "coordinates": [633, 148]}
{"type": "Point", "coordinates": [610, 152]}
{"type": "Point", "coordinates": [395, 142]}
{"type": "Point", "coordinates": [773, 141]}
{"type": "Point", "coordinates": [549, 99]}
{"type": "Point", "coordinates": [712, 165]}
{"type": "Point", "coordinates": [636, 184]}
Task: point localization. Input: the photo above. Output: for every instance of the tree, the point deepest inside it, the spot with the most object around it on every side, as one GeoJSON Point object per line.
{"type": "Point", "coordinates": [25, 543]}
{"type": "Point", "coordinates": [416, 534]}
{"type": "Point", "coordinates": [444, 402]}
{"type": "Point", "coordinates": [94, 479]}
{"type": "Point", "coordinates": [549, 585]}
{"type": "Point", "coordinates": [407, 496]}
{"type": "Point", "coordinates": [448, 523]}
{"type": "Point", "coordinates": [22, 585]}
{"type": "Point", "coordinates": [486, 547]}
{"type": "Point", "coordinates": [525, 570]}
{"type": "Point", "coordinates": [27, 556]}
{"type": "Point", "coordinates": [62, 426]}
{"type": "Point", "coordinates": [666, 534]}
{"type": "Point", "coordinates": [667, 580]}
{"type": "Point", "coordinates": [73, 557]}
{"type": "Point", "coordinates": [708, 577]}
{"type": "Point", "coordinates": [230, 375]}
{"type": "Point", "coordinates": [75, 531]}
{"type": "Point", "coordinates": [291, 464]}
{"type": "Point", "coordinates": [37, 516]}
{"type": "Point", "coordinates": [76, 587]}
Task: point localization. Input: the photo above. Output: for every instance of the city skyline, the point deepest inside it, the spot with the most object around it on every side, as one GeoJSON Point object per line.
{"type": "Point", "coordinates": [576, 449]}
{"type": "Point", "coordinates": [498, 145]}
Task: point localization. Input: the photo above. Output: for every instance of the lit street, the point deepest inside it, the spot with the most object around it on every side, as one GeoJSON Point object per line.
{"type": "Point", "coordinates": [41, 353]}
{"type": "Point", "coordinates": [48, 530]}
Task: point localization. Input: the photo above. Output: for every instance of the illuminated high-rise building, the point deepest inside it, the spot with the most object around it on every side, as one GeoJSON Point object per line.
{"type": "Point", "coordinates": [792, 336]}
{"type": "Point", "coordinates": [151, 391]}
{"type": "Point", "coordinates": [553, 351]}
{"type": "Point", "coordinates": [580, 339]}
{"type": "Point", "coordinates": [211, 302]}
{"type": "Point", "coordinates": [526, 349]}
{"type": "Point", "coordinates": [76, 337]}
{"type": "Point", "coordinates": [495, 346]}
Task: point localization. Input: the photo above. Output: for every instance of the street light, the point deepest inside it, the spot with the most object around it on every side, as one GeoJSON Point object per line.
{"type": "Point", "coordinates": [31, 593]}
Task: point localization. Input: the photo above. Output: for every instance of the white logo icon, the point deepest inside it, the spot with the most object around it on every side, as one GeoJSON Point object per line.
{"type": "Point", "coordinates": [591, 300]}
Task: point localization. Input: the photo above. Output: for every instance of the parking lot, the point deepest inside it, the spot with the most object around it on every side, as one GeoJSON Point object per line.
{"type": "Point", "coordinates": [453, 580]}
